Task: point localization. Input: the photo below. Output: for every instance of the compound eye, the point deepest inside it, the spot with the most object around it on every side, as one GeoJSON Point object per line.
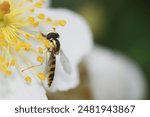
{"type": "Point", "coordinates": [52, 36]}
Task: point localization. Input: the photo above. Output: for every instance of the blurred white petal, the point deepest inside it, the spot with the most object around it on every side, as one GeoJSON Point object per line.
{"type": "Point", "coordinates": [114, 76]}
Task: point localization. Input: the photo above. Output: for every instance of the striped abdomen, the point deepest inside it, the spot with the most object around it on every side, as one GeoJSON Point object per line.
{"type": "Point", "coordinates": [51, 70]}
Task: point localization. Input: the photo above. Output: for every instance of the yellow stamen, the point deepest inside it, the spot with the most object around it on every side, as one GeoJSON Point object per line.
{"type": "Point", "coordinates": [41, 76]}
{"type": "Point", "coordinates": [8, 72]}
{"type": "Point", "coordinates": [2, 59]}
{"type": "Point", "coordinates": [41, 16]}
{"type": "Point", "coordinates": [5, 70]}
{"type": "Point", "coordinates": [13, 62]}
{"type": "Point", "coordinates": [28, 79]}
{"type": "Point", "coordinates": [49, 20]}
{"type": "Point", "coordinates": [1, 36]}
{"type": "Point", "coordinates": [38, 4]}
{"type": "Point", "coordinates": [40, 59]}
{"type": "Point", "coordinates": [6, 64]}
{"type": "Point", "coordinates": [27, 36]}
{"type": "Point", "coordinates": [40, 50]}
{"type": "Point", "coordinates": [35, 24]}
{"type": "Point", "coordinates": [43, 1]}
{"type": "Point", "coordinates": [59, 23]}
{"type": "Point", "coordinates": [62, 22]}
{"type": "Point", "coordinates": [14, 39]}
{"type": "Point", "coordinates": [32, 10]}
{"type": "Point", "coordinates": [31, 19]}
{"type": "Point", "coordinates": [25, 46]}
{"type": "Point", "coordinates": [44, 41]}
{"type": "Point", "coordinates": [30, 0]}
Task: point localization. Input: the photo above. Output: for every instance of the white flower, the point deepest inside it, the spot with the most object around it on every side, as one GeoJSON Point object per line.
{"type": "Point", "coordinates": [114, 76]}
{"type": "Point", "coordinates": [20, 42]}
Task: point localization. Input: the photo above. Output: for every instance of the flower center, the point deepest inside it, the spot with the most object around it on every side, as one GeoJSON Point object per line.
{"type": "Point", "coordinates": [5, 7]}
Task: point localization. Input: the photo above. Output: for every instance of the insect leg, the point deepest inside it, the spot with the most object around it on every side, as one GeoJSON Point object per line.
{"type": "Point", "coordinates": [43, 35]}
{"type": "Point", "coordinates": [34, 65]}
{"type": "Point", "coordinates": [31, 67]}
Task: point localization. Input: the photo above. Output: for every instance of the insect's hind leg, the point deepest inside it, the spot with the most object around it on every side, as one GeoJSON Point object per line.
{"type": "Point", "coordinates": [33, 66]}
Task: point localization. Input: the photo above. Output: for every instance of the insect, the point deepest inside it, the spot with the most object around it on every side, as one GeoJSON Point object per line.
{"type": "Point", "coordinates": [53, 52]}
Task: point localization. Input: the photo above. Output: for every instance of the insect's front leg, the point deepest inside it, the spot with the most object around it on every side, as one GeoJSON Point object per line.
{"type": "Point", "coordinates": [43, 35]}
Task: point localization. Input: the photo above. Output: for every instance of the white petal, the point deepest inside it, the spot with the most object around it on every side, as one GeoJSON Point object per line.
{"type": "Point", "coordinates": [15, 87]}
{"type": "Point", "coordinates": [76, 42]}
{"type": "Point", "coordinates": [114, 76]}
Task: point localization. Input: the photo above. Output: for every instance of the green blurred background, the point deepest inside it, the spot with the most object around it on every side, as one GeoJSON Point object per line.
{"type": "Point", "coordinates": [122, 25]}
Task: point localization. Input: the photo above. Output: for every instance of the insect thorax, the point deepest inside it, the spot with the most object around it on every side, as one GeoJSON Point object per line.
{"type": "Point", "coordinates": [55, 46]}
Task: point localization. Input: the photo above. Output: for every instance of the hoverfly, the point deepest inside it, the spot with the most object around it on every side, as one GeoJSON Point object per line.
{"type": "Point", "coordinates": [55, 50]}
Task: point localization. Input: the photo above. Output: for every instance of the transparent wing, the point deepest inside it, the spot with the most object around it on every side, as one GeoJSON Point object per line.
{"type": "Point", "coordinates": [65, 62]}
